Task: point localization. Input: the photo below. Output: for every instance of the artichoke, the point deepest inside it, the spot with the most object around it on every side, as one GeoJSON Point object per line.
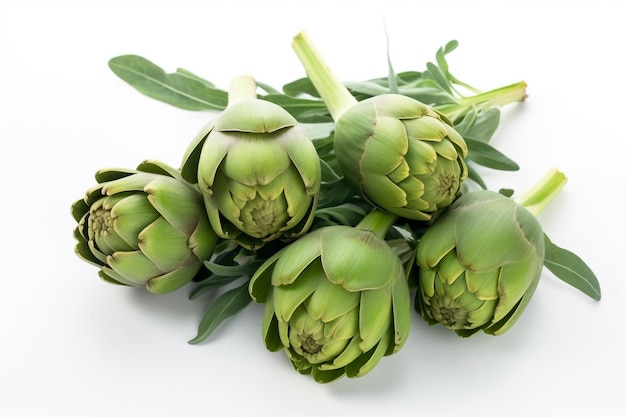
{"type": "Point", "coordinates": [144, 228]}
{"type": "Point", "coordinates": [399, 154]}
{"type": "Point", "coordinates": [336, 300]}
{"type": "Point", "coordinates": [257, 169]}
{"type": "Point", "coordinates": [481, 260]}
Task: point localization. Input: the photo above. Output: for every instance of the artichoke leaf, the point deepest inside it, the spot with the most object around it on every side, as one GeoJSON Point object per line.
{"type": "Point", "coordinates": [369, 267]}
{"type": "Point", "coordinates": [375, 316]}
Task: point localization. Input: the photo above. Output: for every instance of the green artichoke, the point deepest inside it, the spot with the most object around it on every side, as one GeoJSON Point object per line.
{"type": "Point", "coordinates": [337, 299]}
{"type": "Point", "coordinates": [257, 169]}
{"type": "Point", "coordinates": [145, 227]}
{"type": "Point", "coordinates": [399, 154]}
{"type": "Point", "coordinates": [481, 260]}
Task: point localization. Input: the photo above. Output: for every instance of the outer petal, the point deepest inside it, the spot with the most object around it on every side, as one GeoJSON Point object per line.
{"type": "Point", "coordinates": [178, 203]}
{"type": "Point", "coordinates": [214, 151]}
{"type": "Point", "coordinates": [375, 316]}
{"type": "Point", "coordinates": [134, 266]}
{"type": "Point", "coordinates": [254, 116]}
{"type": "Point", "coordinates": [255, 160]}
{"type": "Point", "coordinates": [304, 157]}
{"type": "Point", "coordinates": [366, 362]}
{"type": "Point", "coordinates": [270, 327]}
{"type": "Point", "coordinates": [439, 239]}
{"type": "Point", "coordinates": [164, 245]}
{"type": "Point", "coordinates": [131, 215]}
{"type": "Point", "coordinates": [515, 281]}
{"type": "Point", "coordinates": [288, 297]}
{"type": "Point", "coordinates": [373, 263]}
{"type": "Point", "coordinates": [191, 157]}
{"type": "Point", "coordinates": [297, 256]}
{"type": "Point", "coordinates": [330, 301]}
{"type": "Point", "coordinates": [401, 303]}
{"type": "Point", "coordinates": [261, 282]}
{"type": "Point", "coordinates": [173, 280]}
{"type": "Point", "coordinates": [385, 150]}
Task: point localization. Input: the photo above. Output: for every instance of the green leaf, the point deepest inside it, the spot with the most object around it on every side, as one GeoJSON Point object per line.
{"type": "Point", "coordinates": [486, 155]}
{"type": "Point", "coordinates": [226, 305]}
{"type": "Point", "coordinates": [300, 86]}
{"type": "Point", "coordinates": [210, 284]}
{"type": "Point", "coordinates": [391, 76]}
{"type": "Point", "coordinates": [302, 109]}
{"type": "Point", "coordinates": [572, 270]}
{"type": "Point", "coordinates": [266, 87]}
{"type": "Point", "coordinates": [367, 88]}
{"type": "Point", "coordinates": [233, 270]}
{"type": "Point", "coordinates": [345, 214]}
{"type": "Point", "coordinates": [483, 125]}
{"type": "Point", "coordinates": [475, 176]}
{"type": "Point", "coordinates": [181, 89]}
{"type": "Point", "coordinates": [435, 73]}
{"type": "Point", "coordinates": [183, 72]}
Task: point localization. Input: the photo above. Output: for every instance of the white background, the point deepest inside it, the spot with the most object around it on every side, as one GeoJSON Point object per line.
{"type": "Point", "coordinates": [72, 345]}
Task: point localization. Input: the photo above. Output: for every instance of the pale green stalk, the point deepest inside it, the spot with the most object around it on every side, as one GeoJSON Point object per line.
{"type": "Point", "coordinates": [494, 98]}
{"type": "Point", "coordinates": [543, 192]}
{"type": "Point", "coordinates": [335, 95]}
{"type": "Point", "coordinates": [242, 87]}
{"type": "Point", "coordinates": [377, 222]}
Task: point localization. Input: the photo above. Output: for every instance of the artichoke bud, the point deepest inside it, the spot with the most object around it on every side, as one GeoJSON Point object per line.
{"type": "Point", "coordinates": [479, 264]}
{"type": "Point", "coordinates": [401, 155]}
{"type": "Point", "coordinates": [144, 228]}
{"type": "Point", "coordinates": [257, 169]}
{"type": "Point", "coordinates": [336, 300]}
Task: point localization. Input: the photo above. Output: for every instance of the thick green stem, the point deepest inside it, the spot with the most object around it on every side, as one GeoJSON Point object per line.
{"type": "Point", "coordinates": [543, 192]}
{"type": "Point", "coordinates": [377, 222]}
{"type": "Point", "coordinates": [242, 87]}
{"type": "Point", "coordinates": [335, 95]}
{"type": "Point", "coordinates": [494, 98]}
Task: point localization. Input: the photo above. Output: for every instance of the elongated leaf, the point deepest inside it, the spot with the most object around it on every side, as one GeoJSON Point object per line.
{"type": "Point", "coordinates": [466, 122]}
{"type": "Point", "coordinates": [183, 72]}
{"type": "Point", "coordinates": [345, 214]}
{"type": "Point", "coordinates": [302, 109]}
{"type": "Point", "coordinates": [486, 155]}
{"type": "Point", "coordinates": [435, 73]}
{"type": "Point", "coordinates": [475, 176]}
{"type": "Point", "coordinates": [484, 125]}
{"type": "Point", "coordinates": [226, 305]}
{"type": "Point", "coordinates": [571, 269]}
{"type": "Point", "coordinates": [233, 270]}
{"type": "Point", "coordinates": [318, 131]}
{"type": "Point", "coordinates": [391, 75]}
{"type": "Point", "coordinates": [267, 88]}
{"type": "Point", "coordinates": [181, 89]}
{"type": "Point", "coordinates": [367, 88]}
{"type": "Point", "coordinates": [211, 283]}
{"type": "Point", "coordinates": [301, 86]}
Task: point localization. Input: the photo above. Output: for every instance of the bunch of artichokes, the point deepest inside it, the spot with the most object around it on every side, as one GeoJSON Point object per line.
{"type": "Point", "coordinates": [330, 235]}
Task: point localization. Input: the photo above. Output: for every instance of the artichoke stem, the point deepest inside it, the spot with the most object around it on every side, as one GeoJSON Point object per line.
{"type": "Point", "coordinates": [377, 222]}
{"type": "Point", "coordinates": [497, 97]}
{"type": "Point", "coordinates": [543, 192]}
{"type": "Point", "coordinates": [335, 95]}
{"type": "Point", "coordinates": [242, 87]}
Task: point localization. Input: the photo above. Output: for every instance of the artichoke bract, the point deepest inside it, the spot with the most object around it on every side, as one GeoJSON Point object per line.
{"type": "Point", "coordinates": [257, 169]}
{"type": "Point", "coordinates": [144, 228]}
{"type": "Point", "coordinates": [481, 260]}
{"type": "Point", "coordinates": [399, 154]}
{"type": "Point", "coordinates": [336, 300]}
